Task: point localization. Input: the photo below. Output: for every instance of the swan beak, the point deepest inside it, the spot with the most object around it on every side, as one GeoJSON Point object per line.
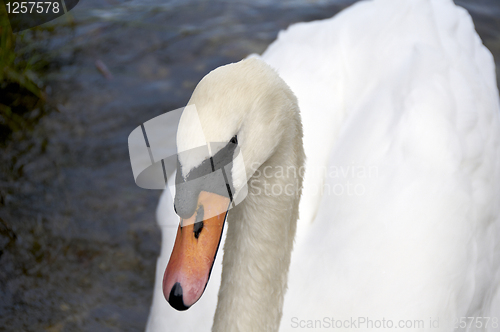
{"type": "Point", "coordinates": [195, 248]}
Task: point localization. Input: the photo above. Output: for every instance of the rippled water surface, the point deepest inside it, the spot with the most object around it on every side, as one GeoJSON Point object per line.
{"type": "Point", "coordinates": [78, 239]}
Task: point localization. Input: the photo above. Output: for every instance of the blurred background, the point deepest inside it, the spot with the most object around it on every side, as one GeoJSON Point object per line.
{"type": "Point", "coordinates": [78, 238]}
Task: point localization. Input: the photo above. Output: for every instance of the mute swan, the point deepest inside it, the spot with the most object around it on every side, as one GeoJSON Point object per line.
{"type": "Point", "coordinates": [399, 219]}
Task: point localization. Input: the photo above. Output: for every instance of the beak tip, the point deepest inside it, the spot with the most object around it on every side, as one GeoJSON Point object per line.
{"type": "Point", "coordinates": [175, 298]}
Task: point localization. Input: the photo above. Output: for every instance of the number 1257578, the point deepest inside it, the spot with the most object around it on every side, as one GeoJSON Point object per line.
{"type": "Point", "coordinates": [32, 7]}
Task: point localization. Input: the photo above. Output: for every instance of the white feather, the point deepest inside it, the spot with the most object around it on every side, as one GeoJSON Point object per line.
{"type": "Point", "coordinates": [400, 214]}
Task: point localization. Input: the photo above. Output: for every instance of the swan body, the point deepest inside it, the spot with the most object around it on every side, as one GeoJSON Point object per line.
{"type": "Point", "coordinates": [399, 216]}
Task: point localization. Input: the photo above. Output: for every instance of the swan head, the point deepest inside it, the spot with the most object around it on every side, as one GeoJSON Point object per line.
{"type": "Point", "coordinates": [234, 122]}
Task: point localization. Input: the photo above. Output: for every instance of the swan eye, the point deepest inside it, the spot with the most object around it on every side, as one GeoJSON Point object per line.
{"type": "Point", "coordinates": [234, 140]}
{"type": "Point", "coordinates": [198, 224]}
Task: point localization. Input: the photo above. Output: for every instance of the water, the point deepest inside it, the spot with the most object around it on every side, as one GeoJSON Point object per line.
{"type": "Point", "coordinates": [78, 239]}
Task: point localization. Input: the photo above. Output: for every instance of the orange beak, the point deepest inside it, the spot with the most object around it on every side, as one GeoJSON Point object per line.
{"type": "Point", "coordinates": [195, 248]}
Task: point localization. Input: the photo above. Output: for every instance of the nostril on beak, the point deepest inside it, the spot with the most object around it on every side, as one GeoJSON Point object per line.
{"type": "Point", "coordinates": [175, 298]}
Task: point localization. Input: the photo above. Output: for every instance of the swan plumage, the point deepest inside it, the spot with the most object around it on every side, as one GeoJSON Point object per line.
{"type": "Point", "coordinates": [399, 217]}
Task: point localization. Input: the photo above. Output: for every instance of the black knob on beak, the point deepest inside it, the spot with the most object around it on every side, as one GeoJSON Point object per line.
{"type": "Point", "coordinates": [175, 298]}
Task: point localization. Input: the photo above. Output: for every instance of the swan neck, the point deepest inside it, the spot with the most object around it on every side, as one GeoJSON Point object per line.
{"type": "Point", "coordinates": [259, 242]}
